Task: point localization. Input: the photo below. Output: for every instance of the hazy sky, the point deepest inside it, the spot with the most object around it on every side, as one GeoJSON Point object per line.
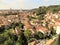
{"type": "Point", "coordinates": [26, 4]}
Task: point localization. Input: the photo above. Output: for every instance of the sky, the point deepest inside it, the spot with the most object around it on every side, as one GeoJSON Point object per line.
{"type": "Point", "coordinates": [26, 4]}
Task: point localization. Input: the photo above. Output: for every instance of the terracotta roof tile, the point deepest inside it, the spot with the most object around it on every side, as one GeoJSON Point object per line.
{"type": "Point", "coordinates": [41, 28]}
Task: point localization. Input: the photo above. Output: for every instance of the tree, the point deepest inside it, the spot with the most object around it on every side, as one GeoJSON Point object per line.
{"type": "Point", "coordinates": [21, 39]}
{"type": "Point", "coordinates": [9, 42]}
{"type": "Point", "coordinates": [47, 25]}
{"type": "Point", "coordinates": [31, 40]}
{"type": "Point", "coordinates": [36, 36]}
{"type": "Point", "coordinates": [40, 34]}
{"type": "Point", "coordinates": [59, 40]}
{"type": "Point", "coordinates": [13, 37]}
{"type": "Point", "coordinates": [41, 17]}
{"type": "Point", "coordinates": [13, 25]}
{"type": "Point", "coordinates": [2, 39]}
{"type": "Point", "coordinates": [53, 32]}
{"type": "Point", "coordinates": [41, 10]}
{"type": "Point", "coordinates": [2, 28]}
{"type": "Point", "coordinates": [27, 34]}
{"type": "Point", "coordinates": [54, 8]}
{"type": "Point", "coordinates": [21, 25]}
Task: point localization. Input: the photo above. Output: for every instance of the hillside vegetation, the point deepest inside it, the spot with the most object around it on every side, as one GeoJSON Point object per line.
{"type": "Point", "coordinates": [45, 9]}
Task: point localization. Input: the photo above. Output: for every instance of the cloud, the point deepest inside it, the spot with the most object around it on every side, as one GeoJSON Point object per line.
{"type": "Point", "coordinates": [11, 4]}
{"type": "Point", "coordinates": [46, 0]}
{"type": "Point", "coordinates": [2, 6]}
{"type": "Point", "coordinates": [25, 4]}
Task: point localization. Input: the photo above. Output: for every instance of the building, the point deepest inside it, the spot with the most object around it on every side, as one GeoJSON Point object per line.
{"type": "Point", "coordinates": [42, 29]}
{"type": "Point", "coordinates": [57, 23]}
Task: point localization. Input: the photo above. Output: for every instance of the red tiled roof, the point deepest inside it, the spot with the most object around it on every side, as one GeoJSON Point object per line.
{"type": "Point", "coordinates": [41, 28]}
{"type": "Point", "coordinates": [57, 20]}
{"type": "Point", "coordinates": [51, 25]}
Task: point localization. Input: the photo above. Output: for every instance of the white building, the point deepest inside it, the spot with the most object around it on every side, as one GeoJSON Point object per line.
{"type": "Point", "coordinates": [57, 23]}
{"type": "Point", "coordinates": [58, 29]}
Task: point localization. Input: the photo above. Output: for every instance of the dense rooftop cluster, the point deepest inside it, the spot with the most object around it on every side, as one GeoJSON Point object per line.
{"type": "Point", "coordinates": [22, 27]}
